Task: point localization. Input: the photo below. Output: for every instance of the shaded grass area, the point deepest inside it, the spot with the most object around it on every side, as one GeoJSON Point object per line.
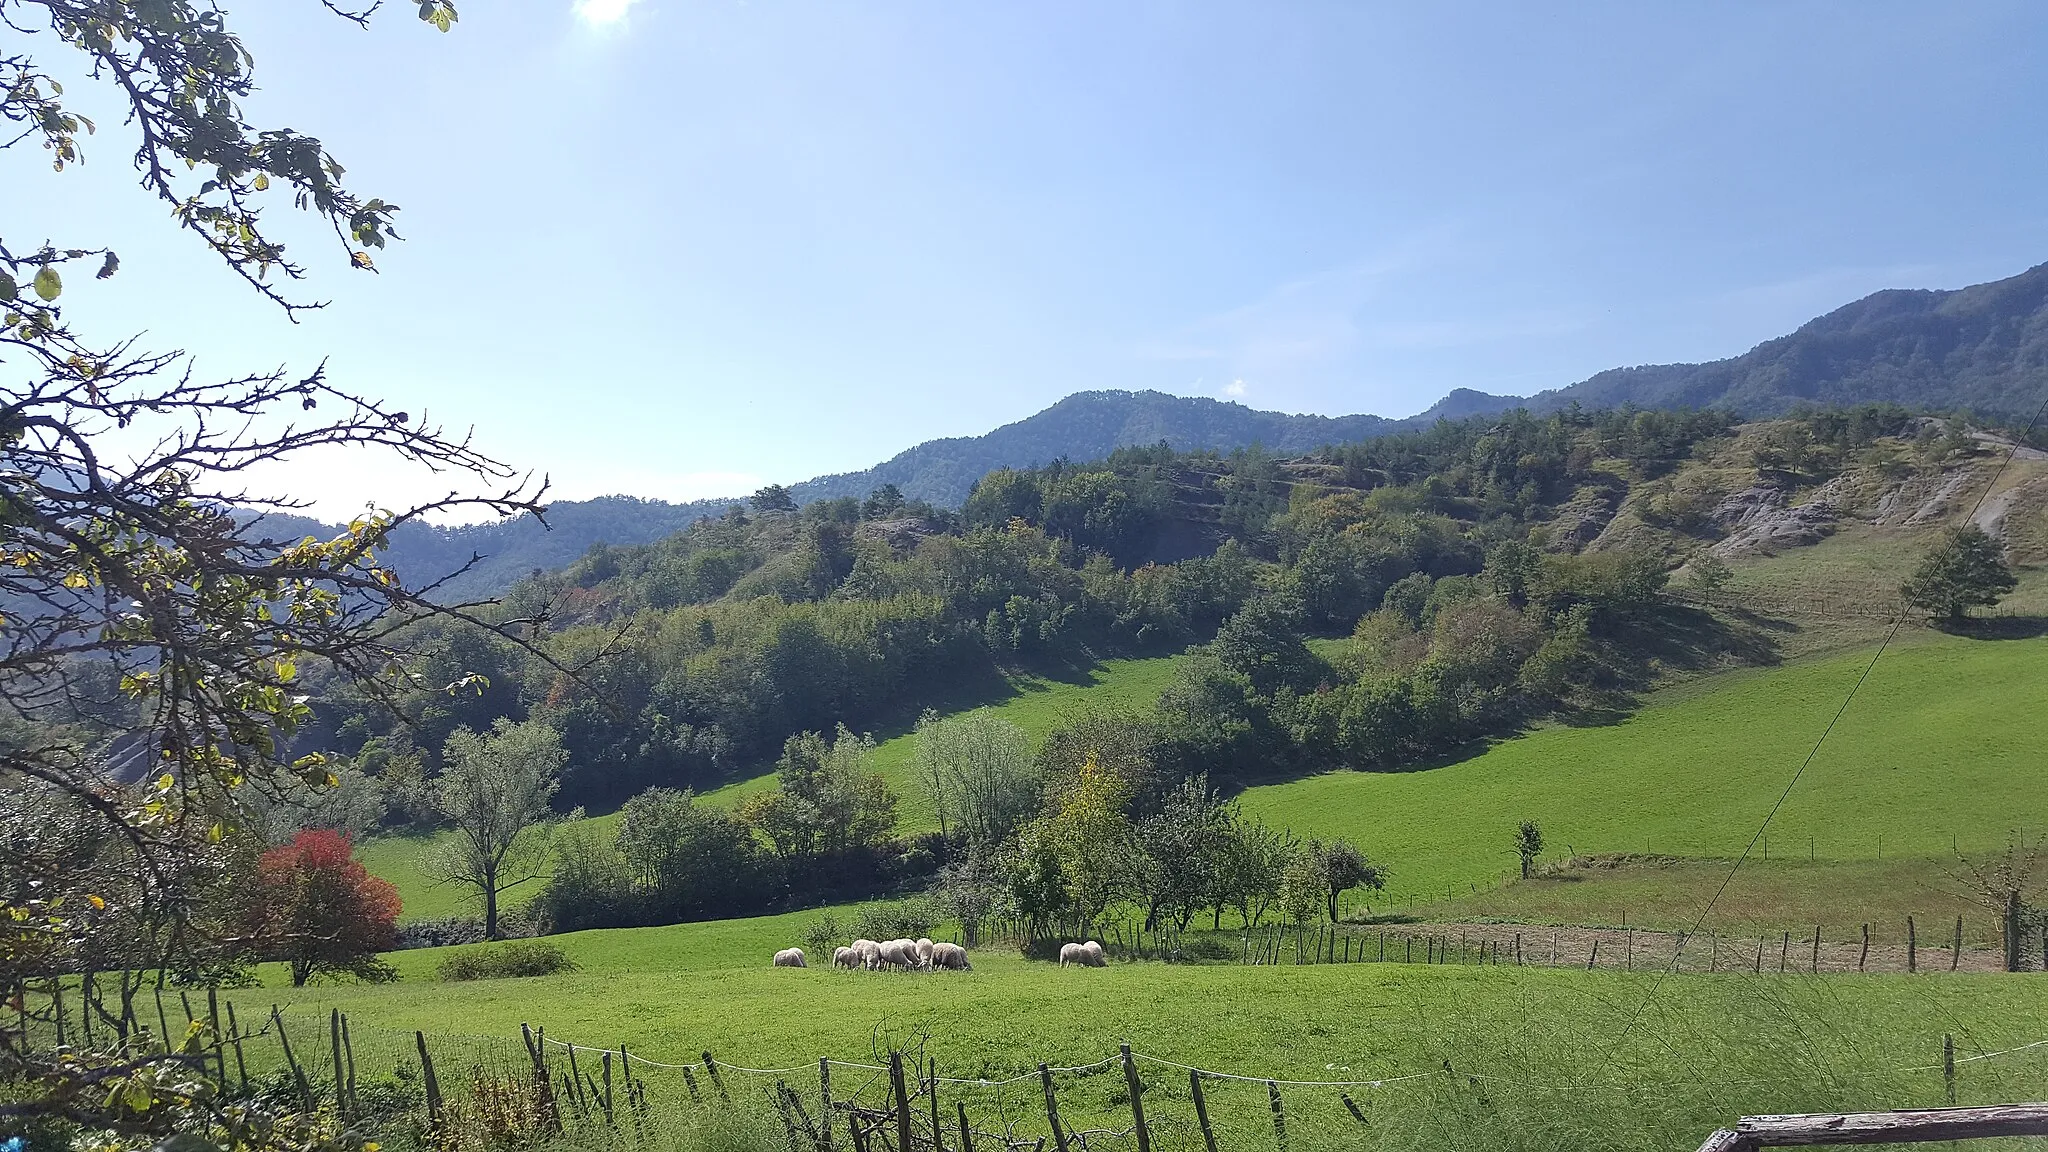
{"type": "Point", "coordinates": [1035, 703]}
{"type": "Point", "coordinates": [1941, 748]}
{"type": "Point", "coordinates": [1764, 896]}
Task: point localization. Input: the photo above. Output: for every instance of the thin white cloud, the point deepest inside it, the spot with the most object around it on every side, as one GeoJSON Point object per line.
{"type": "Point", "coordinates": [1234, 389]}
{"type": "Point", "coordinates": [602, 11]}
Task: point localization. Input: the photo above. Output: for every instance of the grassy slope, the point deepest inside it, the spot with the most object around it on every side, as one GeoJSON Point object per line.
{"type": "Point", "coordinates": [1941, 745]}
{"type": "Point", "coordinates": [1034, 703]}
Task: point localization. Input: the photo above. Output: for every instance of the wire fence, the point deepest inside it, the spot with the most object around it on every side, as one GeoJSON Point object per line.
{"type": "Point", "coordinates": [899, 1099]}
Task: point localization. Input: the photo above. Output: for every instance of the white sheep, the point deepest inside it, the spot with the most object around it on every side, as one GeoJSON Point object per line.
{"type": "Point", "coordinates": [1087, 955]}
{"type": "Point", "coordinates": [899, 953]}
{"type": "Point", "coordinates": [950, 956]}
{"type": "Point", "coordinates": [924, 952]}
{"type": "Point", "coordinates": [790, 958]}
{"type": "Point", "coordinates": [844, 957]}
{"type": "Point", "coordinates": [869, 953]}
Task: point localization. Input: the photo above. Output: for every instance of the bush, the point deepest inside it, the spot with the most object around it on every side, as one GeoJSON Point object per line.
{"type": "Point", "coordinates": [524, 958]}
{"type": "Point", "coordinates": [820, 936]}
{"type": "Point", "coordinates": [441, 933]}
{"type": "Point", "coordinates": [904, 919]}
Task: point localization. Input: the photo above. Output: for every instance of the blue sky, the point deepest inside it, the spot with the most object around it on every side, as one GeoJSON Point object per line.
{"type": "Point", "coordinates": [677, 249]}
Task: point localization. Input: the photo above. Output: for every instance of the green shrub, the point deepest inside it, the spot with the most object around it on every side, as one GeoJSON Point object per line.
{"type": "Point", "coordinates": [520, 958]}
{"type": "Point", "coordinates": [904, 919]}
{"type": "Point", "coordinates": [822, 935]}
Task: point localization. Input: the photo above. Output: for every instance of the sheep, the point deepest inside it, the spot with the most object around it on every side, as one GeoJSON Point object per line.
{"type": "Point", "coordinates": [868, 953]}
{"type": "Point", "coordinates": [950, 956]}
{"type": "Point", "coordinates": [844, 957]}
{"type": "Point", "coordinates": [790, 958]}
{"type": "Point", "coordinates": [1087, 955]}
{"type": "Point", "coordinates": [899, 953]}
{"type": "Point", "coordinates": [924, 952]}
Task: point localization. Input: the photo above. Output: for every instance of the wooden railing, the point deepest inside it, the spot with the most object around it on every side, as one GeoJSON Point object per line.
{"type": "Point", "coordinates": [1910, 1126]}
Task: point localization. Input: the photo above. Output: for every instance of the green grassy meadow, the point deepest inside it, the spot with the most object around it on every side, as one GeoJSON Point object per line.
{"type": "Point", "coordinates": [1706, 1048]}
{"type": "Point", "coordinates": [1942, 747]}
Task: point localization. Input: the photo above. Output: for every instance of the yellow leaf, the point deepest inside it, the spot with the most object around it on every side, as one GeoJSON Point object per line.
{"type": "Point", "coordinates": [95, 901]}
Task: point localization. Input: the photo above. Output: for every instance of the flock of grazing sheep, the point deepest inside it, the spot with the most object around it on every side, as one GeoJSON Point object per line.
{"type": "Point", "coordinates": [924, 956]}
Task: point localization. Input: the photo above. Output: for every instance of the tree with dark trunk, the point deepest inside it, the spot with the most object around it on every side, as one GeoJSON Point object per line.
{"type": "Point", "coordinates": [1966, 570]}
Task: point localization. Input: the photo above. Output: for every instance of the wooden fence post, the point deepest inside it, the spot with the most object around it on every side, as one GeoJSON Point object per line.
{"type": "Point", "coordinates": [433, 1085]}
{"type": "Point", "coordinates": [163, 1026]}
{"type": "Point", "coordinates": [1948, 1065]}
{"type": "Point", "coordinates": [606, 1099]}
{"type": "Point", "coordinates": [966, 1133]}
{"type": "Point", "coordinates": [1201, 1110]}
{"type": "Point", "coordinates": [825, 1105]}
{"type": "Point", "coordinates": [1351, 1106]}
{"type": "Point", "coordinates": [938, 1133]}
{"type": "Point", "coordinates": [576, 1094]}
{"type": "Point", "coordinates": [1955, 955]}
{"type": "Point", "coordinates": [1912, 945]}
{"type": "Point", "coordinates": [1864, 957]}
{"type": "Point", "coordinates": [348, 1053]}
{"type": "Point", "coordinates": [334, 1044]}
{"type": "Point", "coordinates": [1279, 1117]}
{"type": "Point", "coordinates": [235, 1028]}
{"type": "Point", "coordinates": [1784, 951]}
{"type": "Point", "coordinates": [85, 1002]}
{"type": "Point", "coordinates": [902, 1095]}
{"type": "Point", "coordinates": [1594, 957]}
{"type": "Point", "coordinates": [298, 1074]}
{"type": "Point", "coordinates": [220, 1052]}
{"type": "Point", "coordinates": [1759, 956]}
{"type": "Point", "coordinates": [1814, 967]}
{"type": "Point", "coordinates": [1052, 1110]}
{"type": "Point", "coordinates": [690, 1082]}
{"type": "Point", "coordinates": [1132, 1084]}
{"type": "Point", "coordinates": [711, 1069]}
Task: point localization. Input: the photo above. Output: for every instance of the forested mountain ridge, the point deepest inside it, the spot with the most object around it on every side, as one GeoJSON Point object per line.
{"type": "Point", "coordinates": [1089, 426]}
{"type": "Point", "coordinates": [1983, 348]}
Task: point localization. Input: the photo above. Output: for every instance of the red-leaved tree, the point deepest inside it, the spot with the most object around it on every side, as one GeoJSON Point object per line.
{"type": "Point", "coordinates": [319, 910]}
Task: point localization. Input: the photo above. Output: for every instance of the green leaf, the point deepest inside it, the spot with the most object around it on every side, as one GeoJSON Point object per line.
{"type": "Point", "coordinates": [48, 284]}
{"type": "Point", "coordinates": [109, 266]}
{"type": "Point", "coordinates": [262, 182]}
{"type": "Point", "coordinates": [8, 290]}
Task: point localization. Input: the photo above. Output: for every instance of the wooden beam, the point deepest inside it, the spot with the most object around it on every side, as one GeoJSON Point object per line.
{"type": "Point", "coordinates": [1901, 1127]}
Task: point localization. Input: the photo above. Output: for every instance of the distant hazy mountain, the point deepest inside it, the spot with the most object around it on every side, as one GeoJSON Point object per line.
{"type": "Point", "coordinates": [1984, 348]}
{"type": "Point", "coordinates": [1089, 426]}
{"type": "Point", "coordinates": [512, 549]}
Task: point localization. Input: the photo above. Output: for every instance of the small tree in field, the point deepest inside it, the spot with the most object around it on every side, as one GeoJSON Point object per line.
{"type": "Point", "coordinates": [2007, 884]}
{"type": "Point", "coordinates": [1966, 570]}
{"type": "Point", "coordinates": [1528, 845]}
{"type": "Point", "coordinates": [496, 790]}
{"type": "Point", "coordinates": [316, 908]}
{"type": "Point", "coordinates": [1343, 867]}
